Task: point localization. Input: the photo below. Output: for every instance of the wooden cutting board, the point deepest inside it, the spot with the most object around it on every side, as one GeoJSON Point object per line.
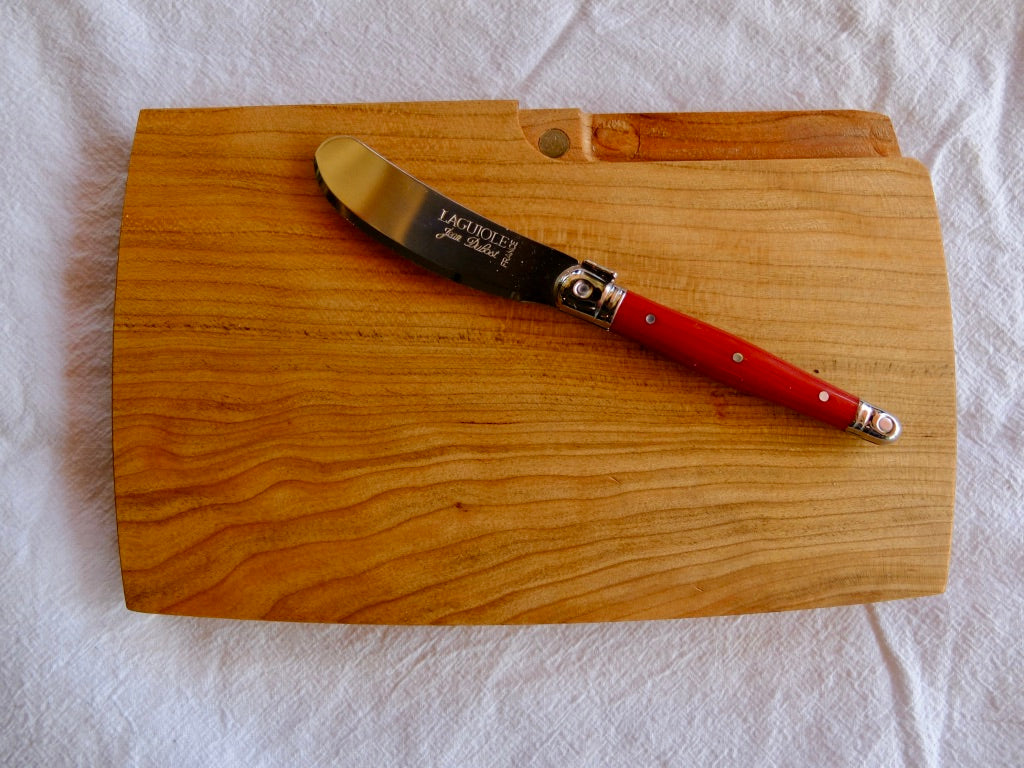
{"type": "Point", "coordinates": [309, 427]}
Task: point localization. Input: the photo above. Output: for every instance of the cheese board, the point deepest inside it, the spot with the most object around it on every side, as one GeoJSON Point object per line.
{"type": "Point", "coordinates": [308, 427]}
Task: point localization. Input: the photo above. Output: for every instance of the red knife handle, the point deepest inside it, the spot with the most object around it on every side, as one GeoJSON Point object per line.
{"type": "Point", "coordinates": [729, 359]}
{"type": "Point", "coordinates": [589, 291]}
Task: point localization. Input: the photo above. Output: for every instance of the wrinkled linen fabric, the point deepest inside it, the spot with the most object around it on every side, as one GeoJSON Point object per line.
{"type": "Point", "coordinates": [927, 682]}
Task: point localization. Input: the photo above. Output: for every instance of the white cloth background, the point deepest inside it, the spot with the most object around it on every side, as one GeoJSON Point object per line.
{"type": "Point", "coordinates": [927, 682]}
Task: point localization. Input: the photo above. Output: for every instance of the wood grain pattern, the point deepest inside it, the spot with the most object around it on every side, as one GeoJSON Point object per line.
{"type": "Point", "coordinates": [743, 135]}
{"type": "Point", "coordinates": [716, 135]}
{"type": "Point", "coordinates": [309, 427]}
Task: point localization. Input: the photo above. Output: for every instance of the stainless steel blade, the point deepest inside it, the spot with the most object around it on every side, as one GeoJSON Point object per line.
{"type": "Point", "coordinates": [433, 230]}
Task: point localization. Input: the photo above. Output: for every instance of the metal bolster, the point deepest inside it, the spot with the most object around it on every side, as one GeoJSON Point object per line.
{"type": "Point", "coordinates": [875, 425]}
{"type": "Point", "coordinates": [588, 290]}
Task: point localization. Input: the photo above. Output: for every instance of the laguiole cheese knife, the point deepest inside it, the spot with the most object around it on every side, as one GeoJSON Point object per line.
{"type": "Point", "coordinates": [468, 248]}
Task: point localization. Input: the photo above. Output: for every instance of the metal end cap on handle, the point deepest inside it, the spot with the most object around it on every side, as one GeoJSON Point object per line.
{"type": "Point", "coordinates": [875, 425]}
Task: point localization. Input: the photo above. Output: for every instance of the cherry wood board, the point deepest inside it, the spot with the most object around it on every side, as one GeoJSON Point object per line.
{"type": "Point", "coordinates": [308, 427]}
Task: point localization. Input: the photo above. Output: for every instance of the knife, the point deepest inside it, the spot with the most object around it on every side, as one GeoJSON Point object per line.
{"type": "Point", "coordinates": [455, 242]}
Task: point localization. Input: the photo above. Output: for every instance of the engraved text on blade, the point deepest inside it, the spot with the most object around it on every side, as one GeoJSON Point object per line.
{"type": "Point", "coordinates": [496, 245]}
